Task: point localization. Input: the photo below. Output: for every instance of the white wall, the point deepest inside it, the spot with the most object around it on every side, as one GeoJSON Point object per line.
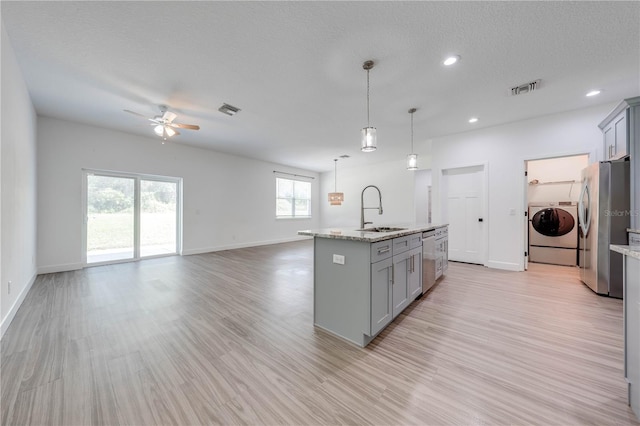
{"type": "Point", "coordinates": [228, 201]}
{"type": "Point", "coordinates": [549, 173]}
{"type": "Point", "coordinates": [421, 195]}
{"type": "Point", "coordinates": [396, 185]}
{"type": "Point", "coordinates": [18, 184]}
{"type": "Point", "coordinates": [505, 149]}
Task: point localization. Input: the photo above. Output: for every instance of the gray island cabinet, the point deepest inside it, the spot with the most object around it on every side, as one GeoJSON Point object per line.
{"type": "Point", "coordinates": [363, 280]}
{"type": "Point", "coordinates": [631, 308]}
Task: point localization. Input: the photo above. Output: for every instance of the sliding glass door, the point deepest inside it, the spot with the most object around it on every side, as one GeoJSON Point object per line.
{"type": "Point", "coordinates": [129, 216]}
{"type": "Point", "coordinates": [158, 217]}
{"type": "Point", "coordinates": [110, 218]}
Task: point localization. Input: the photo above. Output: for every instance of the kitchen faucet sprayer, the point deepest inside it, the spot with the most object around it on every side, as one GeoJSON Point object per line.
{"type": "Point", "coordinates": [363, 208]}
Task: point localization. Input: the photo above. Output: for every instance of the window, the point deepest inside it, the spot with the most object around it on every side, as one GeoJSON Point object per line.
{"type": "Point", "coordinates": [293, 198]}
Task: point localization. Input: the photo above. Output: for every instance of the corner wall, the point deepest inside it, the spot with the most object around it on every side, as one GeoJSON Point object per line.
{"type": "Point", "coordinates": [18, 184]}
{"type": "Point", "coordinates": [228, 201]}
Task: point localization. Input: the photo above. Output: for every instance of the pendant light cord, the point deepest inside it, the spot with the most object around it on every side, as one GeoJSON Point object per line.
{"type": "Point", "coordinates": [335, 176]}
{"type": "Point", "coordinates": [411, 133]}
{"type": "Point", "coordinates": [368, 124]}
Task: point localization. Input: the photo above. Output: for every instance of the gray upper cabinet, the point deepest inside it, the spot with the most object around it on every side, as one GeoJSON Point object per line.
{"type": "Point", "coordinates": [616, 144]}
{"type": "Point", "coordinates": [617, 130]}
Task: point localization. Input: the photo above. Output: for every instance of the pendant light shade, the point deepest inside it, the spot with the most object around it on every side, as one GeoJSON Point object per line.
{"type": "Point", "coordinates": [336, 198]}
{"type": "Point", "coordinates": [412, 162]}
{"type": "Point", "coordinates": [412, 159]}
{"type": "Point", "coordinates": [368, 139]}
{"type": "Point", "coordinates": [368, 134]}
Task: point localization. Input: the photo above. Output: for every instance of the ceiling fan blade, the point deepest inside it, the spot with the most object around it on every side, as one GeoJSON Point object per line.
{"type": "Point", "coordinates": [185, 126]}
{"type": "Point", "coordinates": [155, 121]}
{"type": "Point", "coordinates": [169, 116]}
{"type": "Point", "coordinates": [134, 113]}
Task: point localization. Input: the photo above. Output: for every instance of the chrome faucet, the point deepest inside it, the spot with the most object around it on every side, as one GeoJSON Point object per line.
{"type": "Point", "coordinates": [363, 208]}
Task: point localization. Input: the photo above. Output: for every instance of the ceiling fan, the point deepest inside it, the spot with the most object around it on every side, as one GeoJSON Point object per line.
{"type": "Point", "coordinates": [163, 123]}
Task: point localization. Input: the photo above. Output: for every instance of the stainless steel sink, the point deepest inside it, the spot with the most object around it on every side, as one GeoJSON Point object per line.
{"type": "Point", "coordinates": [381, 229]}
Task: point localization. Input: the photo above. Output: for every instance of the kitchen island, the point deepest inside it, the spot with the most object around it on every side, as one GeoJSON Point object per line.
{"type": "Point", "coordinates": [631, 307]}
{"type": "Point", "coordinates": [363, 279]}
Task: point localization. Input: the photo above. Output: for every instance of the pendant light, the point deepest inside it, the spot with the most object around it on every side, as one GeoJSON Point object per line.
{"type": "Point", "coordinates": [336, 198]}
{"type": "Point", "coordinates": [368, 133]}
{"type": "Point", "coordinates": [412, 159]}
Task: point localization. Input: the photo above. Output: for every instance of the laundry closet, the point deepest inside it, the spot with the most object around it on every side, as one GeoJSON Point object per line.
{"type": "Point", "coordinates": [553, 191]}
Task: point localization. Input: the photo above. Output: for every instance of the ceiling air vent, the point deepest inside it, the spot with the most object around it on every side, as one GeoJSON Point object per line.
{"type": "Point", "coordinates": [525, 88]}
{"type": "Point", "coordinates": [228, 109]}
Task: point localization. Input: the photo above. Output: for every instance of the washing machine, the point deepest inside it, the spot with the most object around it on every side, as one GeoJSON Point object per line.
{"type": "Point", "coordinates": [553, 233]}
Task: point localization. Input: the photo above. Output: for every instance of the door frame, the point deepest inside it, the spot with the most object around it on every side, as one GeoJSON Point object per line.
{"type": "Point", "coordinates": [592, 158]}
{"type": "Point", "coordinates": [438, 197]}
{"type": "Point", "coordinates": [136, 225]}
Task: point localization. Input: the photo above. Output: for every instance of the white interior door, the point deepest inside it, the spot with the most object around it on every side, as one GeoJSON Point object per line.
{"type": "Point", "coordinates": [463, 205]}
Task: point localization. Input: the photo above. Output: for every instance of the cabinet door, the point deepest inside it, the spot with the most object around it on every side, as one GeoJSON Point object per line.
{"type": "Point", "coordinates": [609, 141]}
{"type": "Point", "coordinates": [381, 297]}
{"type": "Point", "coordinates": [400, 288]}
{"type": "Point", "coordinates": [620, 144]}
{"type": "Point", "coordinates": [414, 276]}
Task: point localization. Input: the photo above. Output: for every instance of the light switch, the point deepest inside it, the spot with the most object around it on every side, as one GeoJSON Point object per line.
{"type": "Point", "coordinates": [338, 258]}
{"type": "Point", "coordinates": [512, 212]}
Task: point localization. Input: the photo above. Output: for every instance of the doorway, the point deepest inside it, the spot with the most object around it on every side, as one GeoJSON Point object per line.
{"type": "Point", "coordinates": [463, 208]}
{"type": "Point", "coordinates": [552, 192]}
{"type": "Point", "coordinates": [129, 217]}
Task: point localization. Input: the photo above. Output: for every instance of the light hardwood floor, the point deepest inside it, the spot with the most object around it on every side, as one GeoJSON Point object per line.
{"type": "Point", "coordinates": [228, 338]}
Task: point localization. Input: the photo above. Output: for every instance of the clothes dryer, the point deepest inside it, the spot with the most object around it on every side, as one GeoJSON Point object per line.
{"type": "Point", "coordinates": [553, 233]}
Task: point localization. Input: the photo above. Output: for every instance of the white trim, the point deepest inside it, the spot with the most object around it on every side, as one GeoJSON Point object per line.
{"type": "Point", "coordinates": [52, 269]}
{"type": "Point", "coordinates": [244, 245]}
{"type": "Point", "coordinates": [506, 266]}
{"type": "Point", "coordinates": [6, 321]}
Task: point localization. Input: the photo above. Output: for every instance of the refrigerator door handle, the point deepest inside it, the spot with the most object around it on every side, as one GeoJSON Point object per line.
{"type": "Point", "coordinates": [585, 222]}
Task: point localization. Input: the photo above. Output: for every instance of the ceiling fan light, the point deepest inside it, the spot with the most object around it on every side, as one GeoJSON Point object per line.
{"type": "Point", "coordinates": [159, 130]}
{"type": "Point", "coordinates": [169, 130]}
{"type": "Point", "coordinates": [369, 139]}
{"type": "Point", "coordinates": [412, 162]}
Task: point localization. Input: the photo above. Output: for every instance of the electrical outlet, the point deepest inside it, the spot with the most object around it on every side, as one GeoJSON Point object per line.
{"type": "Point", "coordinates": [338, 258]}
{"type": "Point", "coordinates": [9, 288]}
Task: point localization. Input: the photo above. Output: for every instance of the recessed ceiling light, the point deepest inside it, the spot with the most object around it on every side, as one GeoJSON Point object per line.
{"type": "Point", "coordinates": [451, 60]}
{"type": "Point", "coordinates": [473, 119]}
{"type": "Point", "coordinates": [593, 93]}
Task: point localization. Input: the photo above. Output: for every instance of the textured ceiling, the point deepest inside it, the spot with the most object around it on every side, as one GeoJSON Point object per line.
{"type": "Point", "coordinates": [295, 68]}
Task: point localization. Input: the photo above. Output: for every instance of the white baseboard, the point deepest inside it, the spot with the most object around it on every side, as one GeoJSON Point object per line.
{"type": "Point", "coordinates": [14, 309]}
{"type": "Point", "coordinates": [244, 245]}
{"type": "Point", "coordinates": [506, 266]}
{"type": "Point", "coordinates": [51, 269]}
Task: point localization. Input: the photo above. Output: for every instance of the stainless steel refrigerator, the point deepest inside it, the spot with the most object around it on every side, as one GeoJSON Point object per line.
{"type": "Point", "coordinates": [603, 215]}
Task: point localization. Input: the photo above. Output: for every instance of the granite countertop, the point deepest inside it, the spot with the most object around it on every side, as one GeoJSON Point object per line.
{"type": "Point", "coordinates": [635, 231]}
{"type": "Point", "coordinates": [631, 251]}
{"type": "Point", "coordinates": [367, 236]}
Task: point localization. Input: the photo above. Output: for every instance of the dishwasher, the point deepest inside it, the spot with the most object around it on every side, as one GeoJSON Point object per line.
{"type": "Point", "coordinates": [428, 260]}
